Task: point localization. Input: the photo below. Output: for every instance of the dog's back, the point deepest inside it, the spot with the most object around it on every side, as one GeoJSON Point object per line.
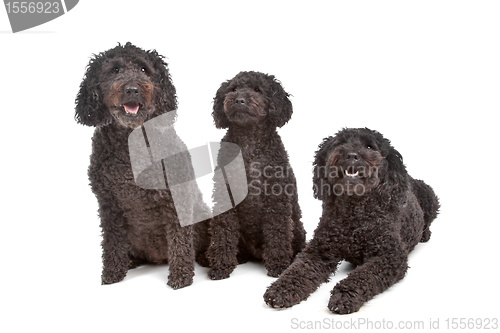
{"type": "Point", "coordinates": [429, 203]}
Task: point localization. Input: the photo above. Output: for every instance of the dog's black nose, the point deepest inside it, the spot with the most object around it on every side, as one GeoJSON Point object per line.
{"type": "Point", "coordinates": [240, 101]}
{"type": "Point", "coordinates": [131, 90]}
{"type": "Point", "coordinates": [352, 156]}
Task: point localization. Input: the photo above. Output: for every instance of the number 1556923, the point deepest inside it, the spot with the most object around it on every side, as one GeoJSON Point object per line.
{"type": "Point", "coordinates": [32, 7]}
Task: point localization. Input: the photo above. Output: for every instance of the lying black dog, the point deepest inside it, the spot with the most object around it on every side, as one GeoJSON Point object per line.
{"type": "Point", "coordinates": [374, 214]}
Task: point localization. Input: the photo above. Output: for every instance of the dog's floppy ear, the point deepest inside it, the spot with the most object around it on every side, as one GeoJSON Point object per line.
{"type": "Point", "coordinates": [396, 170]}
{"type": "Point", "coordinates": [218, 113]}
{"type": "Point", "coordinates": [280, 109]}
{"type": "Point", "coordinates": [90, 109]}
{"type": "Point", "coordinates": [321, 187]}
{"type": "Point", "coordinates": [165, 94]}
{"type": "Point", "coordinates": [396, 173]}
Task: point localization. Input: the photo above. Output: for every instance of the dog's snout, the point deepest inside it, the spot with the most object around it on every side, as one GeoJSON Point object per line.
{"type": "Point", "coordinates": [240, 100]}
{"type": "Point", "coordinates": [131, 90]}
{"type": "Point", "coordinates": [352, 156]}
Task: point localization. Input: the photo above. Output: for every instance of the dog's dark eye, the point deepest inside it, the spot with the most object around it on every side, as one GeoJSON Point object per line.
{"type": "Point", "coordinates": [369, 147]}
{"type": "Point", "coordinates": [257, 90]}
{"type": "Point", "coordinates": [143, 69]}
{"type": "Point", "coordinates": [115, 70]}
{"type": "Point", "coordinates": [234, 89]}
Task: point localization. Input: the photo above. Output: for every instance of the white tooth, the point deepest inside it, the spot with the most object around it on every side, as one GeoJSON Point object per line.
{"type": "Point", "coordinates": [351, 174]}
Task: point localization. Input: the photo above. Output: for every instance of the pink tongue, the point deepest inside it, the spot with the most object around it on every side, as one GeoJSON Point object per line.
{"type": "Point", "coordinates": [131, 108]}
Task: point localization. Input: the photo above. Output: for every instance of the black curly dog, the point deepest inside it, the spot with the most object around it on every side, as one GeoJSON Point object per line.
{"type": "Point", "coordinates": [374, 214]}
{"type": "Point", "coordinates": [266, 224]}
{"type": "Point", "coordinates": [123, 88]}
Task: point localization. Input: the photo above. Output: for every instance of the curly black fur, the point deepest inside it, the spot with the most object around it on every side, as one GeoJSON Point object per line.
{"type": "Point", "coordinates": [266, 224]}
{"type": "Point", "coordinates": [123, 88]}
{"type": "Point", "coordinates": [374, 214]}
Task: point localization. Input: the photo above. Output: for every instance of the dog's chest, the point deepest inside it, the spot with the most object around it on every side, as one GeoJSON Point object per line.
{"type": "Point", "coordinates": [357, 231]}
{"type": "Point", "coordinates": [113, 171]}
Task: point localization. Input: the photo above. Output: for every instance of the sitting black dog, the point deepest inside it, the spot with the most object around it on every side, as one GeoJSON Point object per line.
{"type": "Point", "coordinates": [266, 224]}
{"type": "Point", "coordinates": [374, 214]}
{"type": "Point", "coordinates": [123, 88]}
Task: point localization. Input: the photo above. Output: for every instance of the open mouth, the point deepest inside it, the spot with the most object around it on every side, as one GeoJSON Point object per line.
{"type": "Point", "coordinates": [131, 107]}
{"type": "Point", "coordinates": [351, 174]}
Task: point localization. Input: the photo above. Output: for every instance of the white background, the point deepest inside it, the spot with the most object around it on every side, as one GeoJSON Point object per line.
{"type": "Point", "coordinates": [426, 74]}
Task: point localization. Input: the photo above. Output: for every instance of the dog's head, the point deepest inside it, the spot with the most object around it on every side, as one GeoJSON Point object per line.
{"type": "Point", "coordinates": [354, 162]}
{"type": "Point", "coordinates": [126, 85]}
{"type": "Point", "coordinates": [251, 98]}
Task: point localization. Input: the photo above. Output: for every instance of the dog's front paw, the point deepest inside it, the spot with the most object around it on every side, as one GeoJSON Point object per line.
{"type": "Point", "coordinates": [110, 277]}
{"type": "Point", "coordinates": [344, 302]}
{"type": "Point", "coordinates": [179, 281]}
{"type": "Point", "coordinates": [275, 299]}
{"type": "Point", "coordinates": [278, 296]}
{"type": "Point", "coordinates": [220, 273]}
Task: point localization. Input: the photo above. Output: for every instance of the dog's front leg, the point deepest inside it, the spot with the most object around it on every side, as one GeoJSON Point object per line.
{"type": "Point", "coordinates": [115, 245]}
{"type": "Point", "coordinates": [223, 249]}
{"type": "Point", "coordinates": [373, 277]}
{"type": "Point", "coordinates": [308, 271]}
{"type": "Point", "coordinates": [181, 255]}
{"type": "Point", "coordinates": [278, 234]}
